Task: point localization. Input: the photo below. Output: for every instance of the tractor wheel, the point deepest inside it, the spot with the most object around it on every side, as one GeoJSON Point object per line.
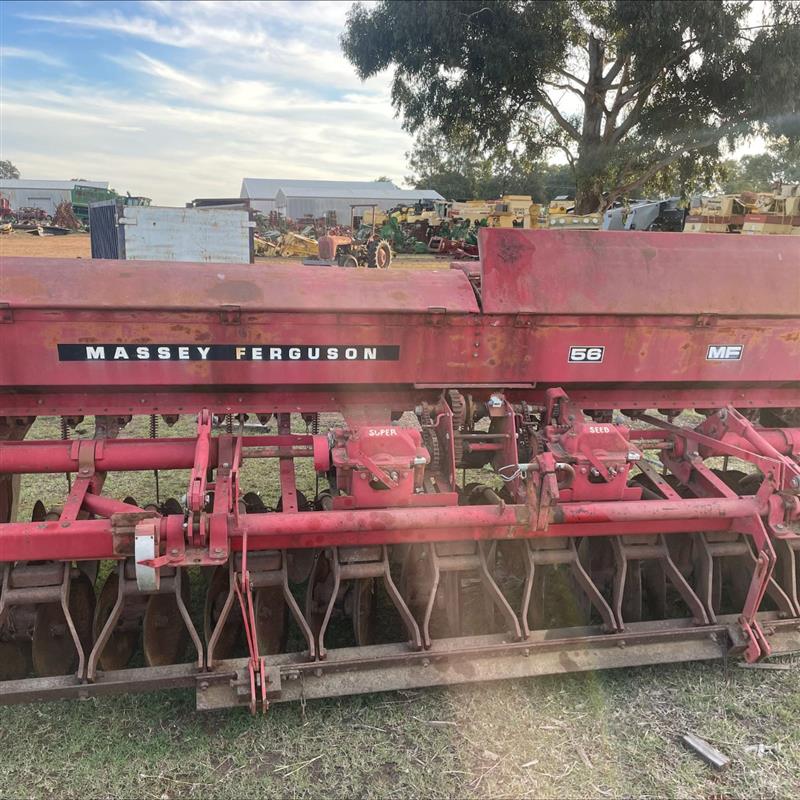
{"type": "Point", "coordinates": [349, 261]}
{"type": "Point", "coordinates": [379, 254]}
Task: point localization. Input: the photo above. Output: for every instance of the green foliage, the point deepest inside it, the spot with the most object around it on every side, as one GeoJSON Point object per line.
{"type": "Point", "coordinates": [459, 171]}
{"type": "Point", "coordinates": [626, 90]}
{"type": "Point", "coordinates": [8, 170]}
{"type": "Point", "coordinates": [759, 173]}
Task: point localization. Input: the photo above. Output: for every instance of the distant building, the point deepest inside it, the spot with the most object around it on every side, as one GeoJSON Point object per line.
{"type": "Point", "coordinates": [44, 194]}
{"type": "Point", "coordinates": [296, 199]}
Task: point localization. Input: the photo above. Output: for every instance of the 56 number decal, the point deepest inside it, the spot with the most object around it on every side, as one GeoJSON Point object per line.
{"type": "Point", "coordinates": [586, 355]}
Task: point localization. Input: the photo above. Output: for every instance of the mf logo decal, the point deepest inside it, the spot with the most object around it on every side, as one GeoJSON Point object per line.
{"type": "Point", "coordinates": [586, 355]}
{"type": "Point", "coordinates": [724, 352]}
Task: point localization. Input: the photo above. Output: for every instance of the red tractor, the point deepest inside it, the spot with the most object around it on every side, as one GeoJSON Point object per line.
{"type": "Point", "coordinates": [365, 248]}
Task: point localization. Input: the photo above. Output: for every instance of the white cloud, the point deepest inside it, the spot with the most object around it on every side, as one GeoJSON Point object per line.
{"type": "Point", "coordinates": [30, 55]}
{"type": "Point", "coordinates": [174, 153]}
{"type": "Point", "coordinates": [243, 89]}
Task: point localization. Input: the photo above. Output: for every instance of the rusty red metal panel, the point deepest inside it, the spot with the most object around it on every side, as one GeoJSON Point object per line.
{"type": "Point", "coordinates": [268, 286]}
{"type": "Point", "coordinates": [637, 272]}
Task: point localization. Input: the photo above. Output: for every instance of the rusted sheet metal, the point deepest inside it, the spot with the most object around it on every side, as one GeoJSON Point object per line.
{"type": "Point", "coordinates": [76, 284]}
{"type": "Point", "coordinates": [423, 348]}
{"type": "Point", "coordinates": [638, 272]}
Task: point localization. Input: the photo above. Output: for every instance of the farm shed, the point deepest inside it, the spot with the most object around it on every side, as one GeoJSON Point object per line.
{"type": "Point", "coordinates": [44, 194]}
{"type": "Point", "coordinates": [300, 198]}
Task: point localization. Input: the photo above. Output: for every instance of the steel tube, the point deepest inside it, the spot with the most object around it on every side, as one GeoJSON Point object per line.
{"type": "Point", "coordinates": [131, 455]}
{"type": "Point", "coordinates": [92, 539]}
{"type": "Point", "coordinates": [105, 506]}
{"type": "Point", "coordinates": [641, 510]}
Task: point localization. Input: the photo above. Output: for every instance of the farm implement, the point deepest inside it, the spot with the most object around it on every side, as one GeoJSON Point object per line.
{"type": "Point", "coordinates": [580, 452]}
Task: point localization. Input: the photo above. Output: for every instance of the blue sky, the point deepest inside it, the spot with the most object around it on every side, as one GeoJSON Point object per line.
{"type": "Point", "coordinates": [178, 100]}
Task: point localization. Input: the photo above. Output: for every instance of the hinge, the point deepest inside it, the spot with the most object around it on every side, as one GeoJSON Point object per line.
{"type": "Point", "coordinates": [523, 321]}
{"type": "Point", "coordinates": [436, 315]}
{"type": "Point", "coordinates": [705, 321]}
{"type": "Point", "coordinates": [230, 315]}
{"type": "Point", "coordinates": [6, 314]}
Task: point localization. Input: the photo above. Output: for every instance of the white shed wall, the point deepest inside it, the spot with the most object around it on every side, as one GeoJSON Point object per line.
{"type": "Point", "coordinates": [46, 199]}
{"type": "Point", "coordinates": [262, 206]}
{"type": "Point", "coordinates": [187, 234]}
{"type": "Point", "coordinates": [298, 207]}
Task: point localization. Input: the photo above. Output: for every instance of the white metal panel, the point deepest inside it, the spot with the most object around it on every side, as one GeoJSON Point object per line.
{"type": "Point", "coordinates": [262, 206]}
{"type": "Point", "coordinates": [299, 207]}
{"type": "Point", "coordinates": [27, 197]}
{"type": "Point", "coordinates": [154, 233]}
{"type": "Point", "coordinates": [267, 188]}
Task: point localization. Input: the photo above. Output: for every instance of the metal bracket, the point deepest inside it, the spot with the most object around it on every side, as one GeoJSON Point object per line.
{"type": "Point", "coordinates": [230, 314]}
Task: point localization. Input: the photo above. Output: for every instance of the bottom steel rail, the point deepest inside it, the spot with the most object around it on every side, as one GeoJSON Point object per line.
{"type": "Point", "coordinates": [375, 668]}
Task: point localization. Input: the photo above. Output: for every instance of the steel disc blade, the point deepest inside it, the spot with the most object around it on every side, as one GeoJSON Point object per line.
{"type": "Point", "coordinates": [122, 643]}
{"type": "Point", "coordinates": [171, 506]}
{"type": "Point", "coordinates": [52, 648]}
{"type": "Point", "coordinates": [414, 579]}
{"type": "Point", "coordinates": [253, 503]}
{"type": "Point", "coordinates": [39, 512]}
{"type": "Point", "coordinates": [164, 633]}
{"type": "Point", "coordinates": [364, 604]}
{"type": "Point", "coordinates": [271, 619]}
{"type": "Point", "coordinates": [449, 620]}
{"type": "Point", "coordinates": [9, 491]}
{"type": "Point", "coordinates": [299, 563]}
{"type": "Point", "coordinates": [90, 569]}
{"type": "Point", "coordinates": [15, 660]}
{"type": "Point", "coordinates": [232, 632]}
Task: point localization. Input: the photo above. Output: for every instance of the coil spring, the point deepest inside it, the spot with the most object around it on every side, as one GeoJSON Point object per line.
{"type": "Point", "coordinates": [154, 435]}
{"type": "Point", "coordinates": [65, 437]}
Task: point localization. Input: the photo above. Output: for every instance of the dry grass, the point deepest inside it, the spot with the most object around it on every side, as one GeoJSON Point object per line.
{"type": "Point", "coordinates": [19, 243]}
{"type": "Point", "coordinates": [603, 734]}
{"type": "Point", "coordinates": [77, 245]}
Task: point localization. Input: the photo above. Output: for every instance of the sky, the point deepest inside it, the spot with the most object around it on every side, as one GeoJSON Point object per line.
{"type": "Point", "coordinates": [177, 100]}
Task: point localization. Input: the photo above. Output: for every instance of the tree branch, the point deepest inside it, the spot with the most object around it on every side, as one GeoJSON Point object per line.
{"type": "Point", "coordinates": [566, 87]}
{"type": "Point", "coordinates": [650, 172]}
{"type": "Point", "coordinates": [614, 136]}
{"type": "Point", "coordinates": [570, 76]}
{"type": "Point", "coordinates": [608, 78]}
{"type": "Point", "coordinates": [563, 123]}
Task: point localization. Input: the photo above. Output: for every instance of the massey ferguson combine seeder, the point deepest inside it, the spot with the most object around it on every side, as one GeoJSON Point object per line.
{"type": "Point", "coordinates": [581, 452]}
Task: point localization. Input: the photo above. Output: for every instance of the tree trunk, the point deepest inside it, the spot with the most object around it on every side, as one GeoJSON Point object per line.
{"type": "Point", "coordinates": [589, 169]}
{"type": "Point", "coordinates": [591, 158]}
{"type": "Point", "coordinates": [588, 196]}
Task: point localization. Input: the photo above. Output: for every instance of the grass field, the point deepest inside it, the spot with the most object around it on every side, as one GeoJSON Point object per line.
{"type": "Point", "coordinates": [604, 734]}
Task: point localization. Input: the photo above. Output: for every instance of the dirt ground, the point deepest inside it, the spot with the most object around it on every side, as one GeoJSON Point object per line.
{"type": "Point", "coordinates": [19, 243]}
{"type": "Point", "coordinates": [77, 245]}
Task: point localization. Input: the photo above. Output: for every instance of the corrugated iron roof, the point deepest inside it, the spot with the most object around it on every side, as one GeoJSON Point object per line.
{"type": "Point", "coordinates": [267, 188]}
{"type": "Point", "coordinates": [345, 191]}
{"type": "Point", "coordinates": [24, 183]}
